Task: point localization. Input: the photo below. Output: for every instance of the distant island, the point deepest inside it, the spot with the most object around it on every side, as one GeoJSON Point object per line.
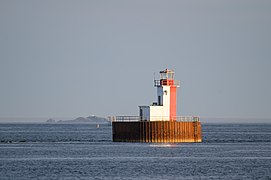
{"type": "Point", "coordinates": [89, 119]}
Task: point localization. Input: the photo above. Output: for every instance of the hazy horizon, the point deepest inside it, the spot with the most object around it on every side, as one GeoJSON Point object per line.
{"type": "Point", "coordinates": [63, 58]}
{"type": "Point", "coordinates": [202, 119]}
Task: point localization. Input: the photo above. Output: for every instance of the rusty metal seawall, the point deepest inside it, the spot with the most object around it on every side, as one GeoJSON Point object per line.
{"type": "Point", "coordinates": [156, 131]}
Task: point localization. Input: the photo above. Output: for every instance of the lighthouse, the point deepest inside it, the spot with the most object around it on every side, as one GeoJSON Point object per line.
{"type": "Point", "coordinates": [165, 107]}
{"type": "Point", "coordinates": [158, 122]}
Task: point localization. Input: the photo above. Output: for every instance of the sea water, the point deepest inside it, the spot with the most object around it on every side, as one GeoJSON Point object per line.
{"type": "Point", "coordinates": [83, 151]}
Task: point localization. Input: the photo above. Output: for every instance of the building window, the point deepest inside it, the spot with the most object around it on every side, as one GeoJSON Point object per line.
{"type": "Point", "coordinates": [159, 100]}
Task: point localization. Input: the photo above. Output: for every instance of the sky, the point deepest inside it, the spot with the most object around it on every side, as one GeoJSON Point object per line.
{"type": "Point", "coordinates": [63, 58]}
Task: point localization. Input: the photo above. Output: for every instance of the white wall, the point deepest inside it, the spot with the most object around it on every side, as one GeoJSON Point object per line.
{"type": "Point", "coordinates": [161, 112]}
{"type": "Point", "coordinates": [158, 113]}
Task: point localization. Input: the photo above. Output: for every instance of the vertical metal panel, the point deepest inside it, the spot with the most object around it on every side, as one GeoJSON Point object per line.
{"type": "Point", "coordinates": [158, 132]}
{"type": "Point", "coordinates": [167, 131]}
{"type": "Point", "coordinates": [178, 132]}
{"type": "Point", "coordinates": [153, 131]}
{"type": "Point", "coordinates": [142, 132]}
{"type": "Point", "coordinates": [148, 131]}
{"type": "Point", "coordinates": [175, 132]}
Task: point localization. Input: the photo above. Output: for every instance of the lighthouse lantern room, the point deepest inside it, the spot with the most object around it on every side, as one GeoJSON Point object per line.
{"type": "Point", "coordinates": [165, 107]}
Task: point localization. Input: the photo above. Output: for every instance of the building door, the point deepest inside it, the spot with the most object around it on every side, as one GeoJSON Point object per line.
{"type": "Point", "coordinates": [159, 101]}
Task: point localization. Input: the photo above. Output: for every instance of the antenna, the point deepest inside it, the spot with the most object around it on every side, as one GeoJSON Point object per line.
{"type": "Point", "coordinates": [154, 81]}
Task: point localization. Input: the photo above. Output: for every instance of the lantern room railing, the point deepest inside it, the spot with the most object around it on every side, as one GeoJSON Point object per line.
{"type": "Point", "coordinates": [166, 83]}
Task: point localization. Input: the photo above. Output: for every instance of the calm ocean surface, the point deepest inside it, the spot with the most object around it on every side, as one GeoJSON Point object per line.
{"type": "Point", "coordinates": [82, 151]}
